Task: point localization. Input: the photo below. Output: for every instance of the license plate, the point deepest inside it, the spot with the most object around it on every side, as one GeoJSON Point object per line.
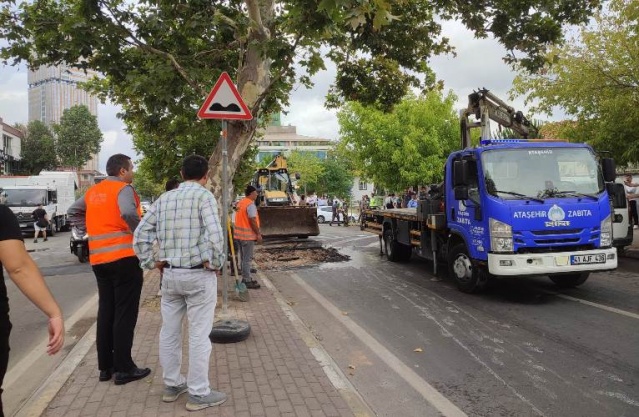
{"type": "Point", "coordinates": [597, 258]}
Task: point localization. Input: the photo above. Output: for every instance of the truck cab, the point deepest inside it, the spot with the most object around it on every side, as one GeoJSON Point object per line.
{"type": "Point", "coordinates": [23, 200]}
{"type": "Point", "coordinates": [528, 207]}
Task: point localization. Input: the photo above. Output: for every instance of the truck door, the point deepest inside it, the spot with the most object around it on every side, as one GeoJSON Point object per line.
{"type": "Point", "coordinates": [465, 208]}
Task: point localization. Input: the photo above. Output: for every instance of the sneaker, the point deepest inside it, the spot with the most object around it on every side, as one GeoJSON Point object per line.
{"type": "Point", "coordinates": [253, 285]}
{"type": "Point", "coordinates": [35, 240]}
{"type": "Point", "coordinates": [45, 239]}
{"type": "Point", "coordinates": [200, 402]}
{"type": "Point", "coordinates": [171, 394]}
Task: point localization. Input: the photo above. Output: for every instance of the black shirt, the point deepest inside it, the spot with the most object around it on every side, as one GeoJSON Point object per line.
{"type": "Point", "coordinates": [39, 214]}
{"type": "Point", "coordinates": [9, 230]}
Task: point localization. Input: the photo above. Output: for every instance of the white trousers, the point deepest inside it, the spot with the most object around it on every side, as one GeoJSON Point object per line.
{"type": "Point", "coordinates": [194, 292]}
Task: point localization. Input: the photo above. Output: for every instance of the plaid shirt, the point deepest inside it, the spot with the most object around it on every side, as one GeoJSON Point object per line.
{"type": "Point", "coordinates": [186, 225]}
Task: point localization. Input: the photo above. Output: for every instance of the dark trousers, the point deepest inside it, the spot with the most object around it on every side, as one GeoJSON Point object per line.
{"type": "Point", "coordinates": [632, 208]}
{"type": "Point", "coordinates": [5, 329]}
{"type": "Point", "coordinates": [119, 288]}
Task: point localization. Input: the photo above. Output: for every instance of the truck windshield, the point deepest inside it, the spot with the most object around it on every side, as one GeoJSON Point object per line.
{"type": "Point", "coordinates": [24, 198]}
{"type": "Point", "coordinates": [542, 173]}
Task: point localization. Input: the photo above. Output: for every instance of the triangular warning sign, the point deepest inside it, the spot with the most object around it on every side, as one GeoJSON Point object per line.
{"type": "Point", "coordinates": [224, 102]}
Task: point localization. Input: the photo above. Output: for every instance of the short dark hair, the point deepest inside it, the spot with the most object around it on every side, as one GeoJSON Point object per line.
{"type": "Point", "coordinates": [249, 189]}
{"type": "Point", "coordinates": [172, 184]}
{"type": "Point", "coordinates": [116, 163]}
{"type": "Point", "coordinates": [194, 167]}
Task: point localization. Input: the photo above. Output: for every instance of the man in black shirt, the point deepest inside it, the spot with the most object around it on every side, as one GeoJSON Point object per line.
{"type": "Point", "coordinates": [41, 223]}
{"type": "Point", "coordinates": [27, 277]}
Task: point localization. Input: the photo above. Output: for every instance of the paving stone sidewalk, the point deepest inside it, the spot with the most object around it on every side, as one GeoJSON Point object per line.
{"type": "Point", "coordinates": [272, 373]}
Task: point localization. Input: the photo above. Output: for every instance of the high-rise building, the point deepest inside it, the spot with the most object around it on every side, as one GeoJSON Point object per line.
{"type": "Point", "coordinates": [55, 89]}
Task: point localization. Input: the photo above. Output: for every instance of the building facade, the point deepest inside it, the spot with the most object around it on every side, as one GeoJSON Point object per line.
{"type": "Point", "coordinates": [11, 149]}
{"type": "Point", "coordinates": [55, 89]}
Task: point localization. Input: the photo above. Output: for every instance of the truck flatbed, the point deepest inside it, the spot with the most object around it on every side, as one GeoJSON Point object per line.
{"type": "Point", "coordinates": [409, 214]}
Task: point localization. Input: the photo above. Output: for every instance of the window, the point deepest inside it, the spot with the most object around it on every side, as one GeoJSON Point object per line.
{"type": "Point", "coordinates": [363, 186]}
{"type": "Point", "coordinates": [6, 145]}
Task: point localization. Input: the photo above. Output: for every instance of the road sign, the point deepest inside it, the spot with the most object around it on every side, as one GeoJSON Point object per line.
{"type": "Point", "coordinates": [224, 102]}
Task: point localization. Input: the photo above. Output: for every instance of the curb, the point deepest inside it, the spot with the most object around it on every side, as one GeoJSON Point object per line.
{"type": "Point", "coordinates": [342, 384]}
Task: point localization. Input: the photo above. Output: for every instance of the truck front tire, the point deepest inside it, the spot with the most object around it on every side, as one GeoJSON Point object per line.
{"type": "Point", "coordinates": [469, 278]}
{"type": "Point", "coordinates": [53, 227]}
{"type": "Point", "coordinates": [570, 280]}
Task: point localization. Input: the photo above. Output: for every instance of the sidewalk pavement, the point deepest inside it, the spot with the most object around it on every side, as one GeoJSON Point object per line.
{"type": "Point", "coordinates": [275, 372]}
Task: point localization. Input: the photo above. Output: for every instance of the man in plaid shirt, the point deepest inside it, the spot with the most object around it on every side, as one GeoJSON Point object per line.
{"type": "Point", "coordinates": [186, 225]}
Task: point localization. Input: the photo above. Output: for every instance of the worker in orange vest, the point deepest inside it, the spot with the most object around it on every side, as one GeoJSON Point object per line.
{"type": "Point", "coordinates": [246, 232]}
{"type": "Point", "coordinates": [109, 212]}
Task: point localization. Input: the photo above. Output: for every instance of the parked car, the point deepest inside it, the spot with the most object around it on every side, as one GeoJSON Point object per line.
{"type": "Point", "coordinates": [325, 214]}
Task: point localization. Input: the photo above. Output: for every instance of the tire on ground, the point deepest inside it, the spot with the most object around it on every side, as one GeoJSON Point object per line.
{"type": "Point", "coordinates": [395, 251]}
{"type": "Point", "coordinates": [569, 280]}
{"type": "Point", "coordinates": [469, 278]}
{"type": "Point", "coordinates": [230, 331]}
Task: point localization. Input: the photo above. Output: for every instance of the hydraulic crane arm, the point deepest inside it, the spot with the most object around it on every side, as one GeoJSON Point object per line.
{"type": "Point", "coordinates": [485, 106]}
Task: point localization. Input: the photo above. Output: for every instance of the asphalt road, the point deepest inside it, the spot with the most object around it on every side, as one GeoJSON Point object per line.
{"type": "Point", "coordinates": [73, 285]}
{"type": "Point", "coordinates": [522, 348]}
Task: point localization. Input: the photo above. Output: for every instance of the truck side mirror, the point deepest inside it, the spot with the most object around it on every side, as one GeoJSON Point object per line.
{"type": "Point", "coordinates": [460, 173]}
{"type": "Point", "coordinates": [608, 168]}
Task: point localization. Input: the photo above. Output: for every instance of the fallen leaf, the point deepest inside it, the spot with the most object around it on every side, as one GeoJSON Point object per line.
{"type": "Point", "coordinates": [345, 313]}
{"type": "Point", "coordinates": [351, 366]}
{"type": "Point", "coordinates": [418, 350]}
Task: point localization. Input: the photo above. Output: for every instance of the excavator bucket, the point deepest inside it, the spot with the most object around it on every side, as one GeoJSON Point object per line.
{"type": "Point", "coordinates": [288, 221]}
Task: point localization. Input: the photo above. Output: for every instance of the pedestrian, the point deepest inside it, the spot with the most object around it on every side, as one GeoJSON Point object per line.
{"type": "Point", "coordinates": [632, 194]}
{"type": "Point", "coordinates": [27, 277]}
{"type": "Point", "coordinates": [302, 202]}
{"type": "Point", "coordinates": [389, 202]}
{"type": "Point", "coordinates": [335, 211]}
{"type": "Point", "coordinates": [186, 224]}
{"type": "Point", "coordinates": [247, 232]}
{"type": "Point", "coordinates": [423, 192]}
{"type": "Point", "coordinates": [413, 201]}
{"type": "Point", "coordinates": [40, 224]}
{"type": "Point", "coordinates": [109, 212]}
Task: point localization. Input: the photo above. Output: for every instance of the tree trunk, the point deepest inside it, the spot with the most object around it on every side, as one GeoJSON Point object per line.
{"type": "Point", "coordinates": [253, 79]}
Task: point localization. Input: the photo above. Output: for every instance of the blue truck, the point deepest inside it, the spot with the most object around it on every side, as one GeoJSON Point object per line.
{"type": "Point", "coordinates": [508, 207]}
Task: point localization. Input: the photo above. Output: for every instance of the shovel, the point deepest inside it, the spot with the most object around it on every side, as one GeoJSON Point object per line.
{"type": "Point", "coordinates": [240, 288]}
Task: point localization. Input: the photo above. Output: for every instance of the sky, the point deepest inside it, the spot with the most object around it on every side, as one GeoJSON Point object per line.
{"type": "Point", "coordinates": [478, 64]}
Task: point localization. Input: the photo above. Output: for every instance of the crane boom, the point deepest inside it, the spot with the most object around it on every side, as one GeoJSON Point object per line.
{"type": "Point", "coordinates": [486, 106]}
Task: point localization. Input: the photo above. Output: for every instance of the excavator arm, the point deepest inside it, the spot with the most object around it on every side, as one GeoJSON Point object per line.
{"type": "Point", "coordinates": [485, 106]}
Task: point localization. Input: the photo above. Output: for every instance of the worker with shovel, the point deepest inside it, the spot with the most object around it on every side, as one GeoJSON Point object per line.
{"type": "Point", "coordinates": [247, 232]}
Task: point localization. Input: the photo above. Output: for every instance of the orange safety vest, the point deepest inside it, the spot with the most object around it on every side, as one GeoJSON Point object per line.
{"type": "Point", "coordinates": [110, 238]}
{"type": "Point", "coordinates": [243, 230]}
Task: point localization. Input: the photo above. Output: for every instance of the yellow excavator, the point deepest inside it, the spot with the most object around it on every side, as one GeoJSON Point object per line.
{"type": "Point", "coordinates": [279, 216]}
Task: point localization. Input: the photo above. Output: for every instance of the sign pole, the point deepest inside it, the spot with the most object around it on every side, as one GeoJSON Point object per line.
{"type": "Point", "coordinates": [225, 217]}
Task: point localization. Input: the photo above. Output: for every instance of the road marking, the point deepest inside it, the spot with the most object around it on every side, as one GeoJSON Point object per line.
{"type": "Point", "coordinates": [25, 363]}
{"type": "Point", "coordinates": [434, 397]}
{"type": "Point", "coordinates": [596, 305]}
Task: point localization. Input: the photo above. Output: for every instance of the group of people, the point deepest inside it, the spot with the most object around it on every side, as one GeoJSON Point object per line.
{"type": "Point", "coordinates": [408, 199]}
{"type": "Point", "coordinates": [184, 224]}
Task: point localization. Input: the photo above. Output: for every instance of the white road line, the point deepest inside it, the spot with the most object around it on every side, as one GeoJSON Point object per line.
{"type": "Point", "coordinates": [434, 397]}
{"type": "Point", "coordinates": [596, 305]}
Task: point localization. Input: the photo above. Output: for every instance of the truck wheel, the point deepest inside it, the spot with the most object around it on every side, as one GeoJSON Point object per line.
{"type": "Point", "coordinates": [395, 251]}
{"type": "Point", "coordinates": [53, 227]}
{"type": "Point", "coordinates": [570, 280]}
{"type": "Point", "coordinates": [469, 278]}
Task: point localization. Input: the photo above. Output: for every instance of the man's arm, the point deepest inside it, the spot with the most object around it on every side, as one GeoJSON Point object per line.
{"type": "Point", "coordinates": [27, 277]}
{"type": "Point", "coordinates": [143, 237]}
{"type": "Point", "coordinates": [77, 213]}
{"type": "Point", "coordinates": [252, 216]}
{"type": "Point", "coordinates": [211, 221]}
{"type": "Point", "coordinates": [128, 207]}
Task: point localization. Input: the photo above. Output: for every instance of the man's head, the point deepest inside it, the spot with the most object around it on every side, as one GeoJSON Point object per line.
{"type": "Point", "coordinates": [627, 178]}
{"type": "Point", "coordinates": [120, 165]}
{"type": "Point", "coordinates": [172, 184]}
{"type": "Point", "coordinates": [251, 192]}
{"type": "Point", "coordinates": [195, 168]}
{"type": "Point", "coordinates": [40, 205]}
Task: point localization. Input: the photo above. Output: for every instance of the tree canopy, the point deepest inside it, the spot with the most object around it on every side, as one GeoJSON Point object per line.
{"type": "Point", "coordinates": [309, 166]}
{"type": "Point", "coordinates": [38, 149]}
{"type": "Point", "coordinates": [594, 79]}
{"type": "Point", "coordinates": [160, 57]}
{"type": "Point", "coordinates": [78, 136]}
{"type": "Point", "coordinates": [405, 147]}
